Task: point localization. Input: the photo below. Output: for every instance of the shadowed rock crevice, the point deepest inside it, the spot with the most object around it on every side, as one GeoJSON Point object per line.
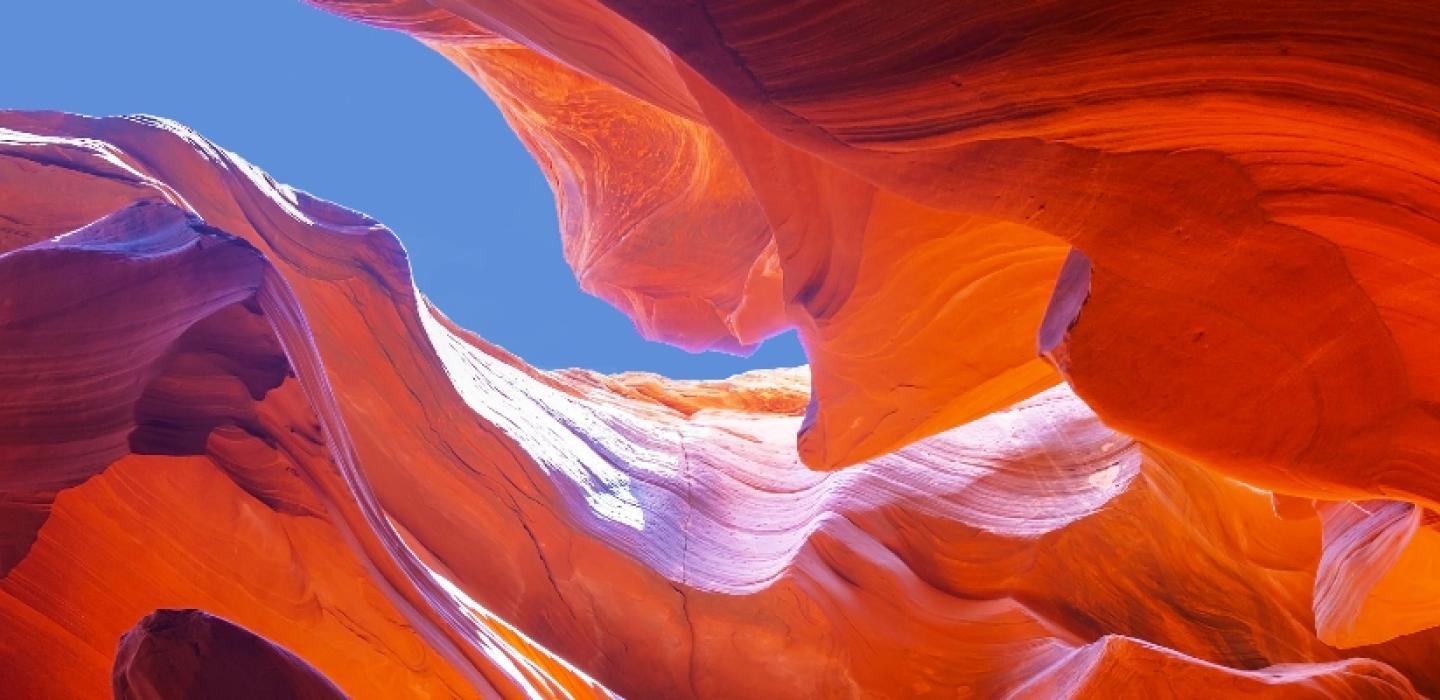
{"type": "Point", "coordinates": [213, 375]}
{"type": "Point", "coordinates": [191, 655]}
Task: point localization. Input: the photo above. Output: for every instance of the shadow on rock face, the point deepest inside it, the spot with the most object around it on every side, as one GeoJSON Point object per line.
{"type": "Point", "coordinates": [183, 654]}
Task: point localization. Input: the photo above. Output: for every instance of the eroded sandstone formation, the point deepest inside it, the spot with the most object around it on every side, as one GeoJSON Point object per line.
{"type": "Point", "coordinates": [1216, 220]}
{"type": "Point", "coordinates": [188, 654]}
{"type": "Point", "coordinates": [1254, 190]}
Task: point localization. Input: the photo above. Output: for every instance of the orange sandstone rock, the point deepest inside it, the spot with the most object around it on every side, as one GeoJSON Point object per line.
{"type": "Point", "coordinates": [152, 333]}
{"type": "Point", "coordinates": [628, 175]}
{"type": "Point", "coordinates": [1227, 211]}
{"type": "Point", "coordinates": [1254, 190]}
{"type": "Point", "coordinates": [1250, 194]}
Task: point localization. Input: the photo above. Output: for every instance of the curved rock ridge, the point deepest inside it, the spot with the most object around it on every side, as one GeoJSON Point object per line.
{"type": "Point", "coordinates": [1255, 194]}
{"type": "Point", "coordinates": [190, 654]}
{"type": "Point", "coordinates": [753, 269]}
{"type": "Point", "coordinates": [288, 436]}
{"type": "Point", "coordinates": [633, 174]}
{"type": "Point", "coordinates": [166, 387]}
{"type": "Point", "coordinates": [1381, 558]}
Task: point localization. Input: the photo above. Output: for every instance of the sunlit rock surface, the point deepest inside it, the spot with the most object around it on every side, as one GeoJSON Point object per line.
{"type": "Point", "coordinates": [1217, 221]}
{"type": "Point", "coordinates": [227, 395]}
{"type": "Point", "coordinates": [1253, 191]}
{"type": "Point", "coordinates": [171, 437]}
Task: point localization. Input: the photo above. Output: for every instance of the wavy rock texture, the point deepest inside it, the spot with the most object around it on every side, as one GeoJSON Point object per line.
{"type": "Point", "coordinates": [1217, 220]}
{"type": "Point", "coordinates": [227, 395]}
{"type": "Point", "coordinates": [1381, 560]}
{"type": "Point", "coordinates": [1254, 192]}
{"type": "Point", "coordinates": [171, 439]}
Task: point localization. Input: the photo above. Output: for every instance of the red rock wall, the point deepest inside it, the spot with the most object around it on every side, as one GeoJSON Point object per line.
{"type": "Point", "coordinates": [1254, 188]}
{"type": "Point", "coordinates": [1216, 220]}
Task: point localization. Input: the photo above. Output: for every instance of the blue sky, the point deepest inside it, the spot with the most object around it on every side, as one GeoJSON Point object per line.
{"type": "Point", "coordinates": [365, 117]}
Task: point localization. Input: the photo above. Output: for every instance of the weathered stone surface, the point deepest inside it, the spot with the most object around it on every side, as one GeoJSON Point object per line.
{"type": "Point", "coordinates": [1217, 221]}
{"type": "Point", "coordinates": [1255, 191]}
{"type": "Point", "coordinates": [384, 475]}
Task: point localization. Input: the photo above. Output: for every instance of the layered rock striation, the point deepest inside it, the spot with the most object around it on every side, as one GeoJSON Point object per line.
{"type": "Point", "coordinates": [1253, 193]}
{"type": "Point", "coordinates": [1216, 223]}
{"type": "Point", "coordinates": [233, 399]}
